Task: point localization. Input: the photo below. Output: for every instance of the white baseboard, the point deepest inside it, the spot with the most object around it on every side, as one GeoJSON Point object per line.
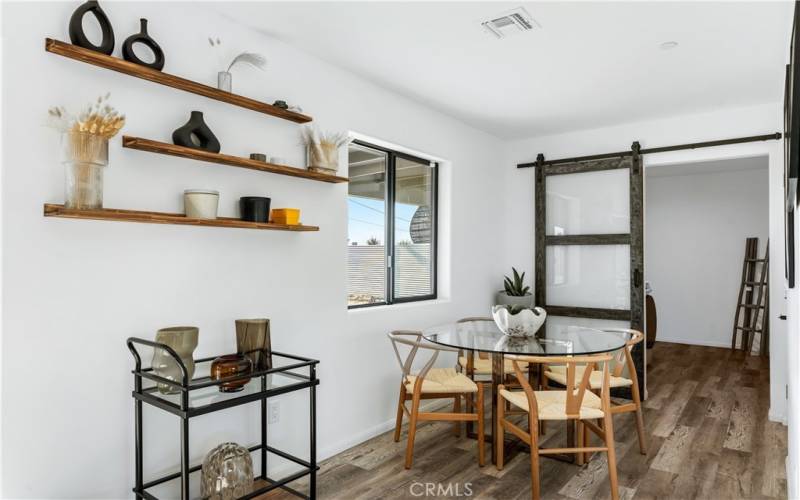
{"type": "Point", "coordinates": [707, 343]}
{"type": "Point", "coordinates": [370, 433]}
{"type": "Point", "coordinates": [791, 481]}
{"type": "Point", "coordinates": [774, 416]}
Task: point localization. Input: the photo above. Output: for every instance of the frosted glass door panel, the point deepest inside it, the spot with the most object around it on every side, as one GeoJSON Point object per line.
{"type": "Point", "coordinates": [588, 276]}
{"type": "Point", "coordinates": [588, 203]}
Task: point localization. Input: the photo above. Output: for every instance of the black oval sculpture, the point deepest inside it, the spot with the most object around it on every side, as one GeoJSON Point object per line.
{"type": "Point", "coordinates": [78, 37]}
{"type": "Point", "coordinates": [196, 134]}
{"type": "Point", "coordinates": [143, 38]}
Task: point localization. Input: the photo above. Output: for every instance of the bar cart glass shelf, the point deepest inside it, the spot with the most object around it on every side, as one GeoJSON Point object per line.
{"type": "Point", "coordinates": [201, 395]}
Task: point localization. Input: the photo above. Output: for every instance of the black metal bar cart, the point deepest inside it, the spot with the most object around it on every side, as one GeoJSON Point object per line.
{"type": "Point", "coordinates": [200, 396]}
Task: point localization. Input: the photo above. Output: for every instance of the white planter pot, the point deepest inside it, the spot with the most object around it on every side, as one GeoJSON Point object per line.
{"type": "Point", "coordinates": [200, 203]}
{"type": "Point", "coordinates": [523, 323]}
{"type": "Point", "coordinates": [504, 299]}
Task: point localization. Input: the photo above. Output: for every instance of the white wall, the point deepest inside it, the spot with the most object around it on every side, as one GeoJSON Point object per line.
{"type": "Point", "coordinates": [696, 225]}
{"type": "Point", "coordinates": [726, 123]}
{"type": "Point", "coordinates": [73, 291]}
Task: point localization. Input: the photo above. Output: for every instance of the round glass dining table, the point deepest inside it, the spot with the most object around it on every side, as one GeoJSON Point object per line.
{"type": "Point", "coordinates": [554, 338]}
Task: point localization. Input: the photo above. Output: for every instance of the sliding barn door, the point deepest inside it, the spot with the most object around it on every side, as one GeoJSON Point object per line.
{"type": "Point", "coordinates": [589, 245]}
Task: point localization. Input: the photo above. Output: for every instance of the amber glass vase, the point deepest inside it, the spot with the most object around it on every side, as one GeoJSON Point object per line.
{"type": "Point", "coordinates": [231, 365]}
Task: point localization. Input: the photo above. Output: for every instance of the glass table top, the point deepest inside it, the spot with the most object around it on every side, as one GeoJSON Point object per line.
{"type": "Point", "coordinates": [557, 339]}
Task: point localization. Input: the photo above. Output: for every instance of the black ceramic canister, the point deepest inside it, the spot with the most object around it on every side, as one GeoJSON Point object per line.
{"type": "Point", "coordinates": [254, 208]}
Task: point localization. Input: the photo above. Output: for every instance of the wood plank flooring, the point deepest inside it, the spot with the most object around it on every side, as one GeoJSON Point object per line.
{"type": "Point", "coordinates": [708, 437]}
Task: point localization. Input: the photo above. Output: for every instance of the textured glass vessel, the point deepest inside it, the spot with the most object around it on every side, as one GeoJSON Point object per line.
{"type": "Point", "coordinates": [231, 365]}
{"type": "Point", "coordinates": [253, 340]}
{"type": "Point", "coordinates": [84, 156]}
{"type": "Point", "coordinates": [227, 473]}
{"type": "Point", "coordinates": [183, 340]}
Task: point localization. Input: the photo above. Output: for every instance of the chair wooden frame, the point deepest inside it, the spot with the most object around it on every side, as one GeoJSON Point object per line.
{"type": "Point", "coordinates": [573, 403]}
{"type": "Point", "coordinates": [414, 415]}
{"type": "Point", "coordinates": [622, 359]}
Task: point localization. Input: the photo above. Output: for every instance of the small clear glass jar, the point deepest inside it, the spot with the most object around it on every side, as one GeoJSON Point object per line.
{"type": "Point", "coordinates": [84, 156]}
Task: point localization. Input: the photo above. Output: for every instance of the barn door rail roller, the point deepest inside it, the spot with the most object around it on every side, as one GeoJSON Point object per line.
{"type": "Point", "coordinates": [695, 145]}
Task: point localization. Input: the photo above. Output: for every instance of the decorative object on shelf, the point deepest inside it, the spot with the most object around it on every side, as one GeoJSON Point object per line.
{"type": "Point", "coordinates": [421, 227]}
{"type": "Point", "coordinates": [143, 38]}
{"type": "Point", "coordinates": [518, 321]}
{"type": "Point", "coordinates": [84, 149]}
{"type": "Point", "coordinates": [196, 134]}
{"type": "Point", "coordinates": [280, 104]}
{"type": "Point", "coordinates": [79, 38]}
{"type": "Point", "coordinates": [225, 78]}
{"type": "Point", "coordinates": [231, 365]}
{"type": "Point", "coordinates": [288, 216]}
{"type": "Point", "coordinates": [201, 203]}
{"type": "Point", "coordinates": [278, 160]}
{"type": "Point", "coordinates": [258, 157]}
{"type": "Point", "coordinates": [254, 208]}
{"type": "Point", "coordinates": [227, 473]}
{"type": "Point", "coordinates": [253, 340]}
{"type": "Point", "coordinates": [322, 148]}
{"type": "Point", "coordinates": [182, 340]}
{"type": "Point", "coordinates": [515, 292]}
{"type": "Point", "coordinates": [295, 108]}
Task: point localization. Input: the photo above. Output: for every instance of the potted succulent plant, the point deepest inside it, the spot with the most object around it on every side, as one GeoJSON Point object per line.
{"type": "Point", "coordinates": [515, 292]}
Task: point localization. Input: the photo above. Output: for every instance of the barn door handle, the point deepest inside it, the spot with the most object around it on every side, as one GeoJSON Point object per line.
{"type": "Point", "coordinates": [637, 278]}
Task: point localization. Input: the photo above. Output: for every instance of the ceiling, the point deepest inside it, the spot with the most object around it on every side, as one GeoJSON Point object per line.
{"type": "Point", "coordinates": [591, 64]}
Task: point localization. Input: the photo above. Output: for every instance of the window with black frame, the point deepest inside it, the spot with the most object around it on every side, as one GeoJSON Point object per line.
{"type": "Point", "coordinates": [391, 244]}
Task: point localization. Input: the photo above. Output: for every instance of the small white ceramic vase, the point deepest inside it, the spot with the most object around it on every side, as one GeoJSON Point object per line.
{"type": "Point", "coordinates": [201, 203]}
{"type": "Point", "coordinates": [516, 321]}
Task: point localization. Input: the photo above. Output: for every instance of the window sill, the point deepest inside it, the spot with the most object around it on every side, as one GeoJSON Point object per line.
{"type": "Point", "coordinates": [401, 305]}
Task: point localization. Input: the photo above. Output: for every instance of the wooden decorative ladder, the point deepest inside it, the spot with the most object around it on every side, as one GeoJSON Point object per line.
{"type": "Point", "coordinates": [753, 303]}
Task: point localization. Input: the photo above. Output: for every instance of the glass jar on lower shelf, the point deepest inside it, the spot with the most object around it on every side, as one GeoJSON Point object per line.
{"type": "Point", "coordinates": [84, 156]}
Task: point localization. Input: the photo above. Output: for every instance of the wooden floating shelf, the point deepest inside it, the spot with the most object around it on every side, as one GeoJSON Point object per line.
{"type": "Point", "coordinates": [145, 73]}
{"type": "Point", "coordinates": [233, 161]}
{"type": "Point", "coordinates": [52, 210]}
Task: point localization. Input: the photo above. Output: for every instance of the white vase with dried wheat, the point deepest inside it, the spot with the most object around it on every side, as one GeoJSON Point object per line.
{"type": "Point", "coordinates": [84, 150]}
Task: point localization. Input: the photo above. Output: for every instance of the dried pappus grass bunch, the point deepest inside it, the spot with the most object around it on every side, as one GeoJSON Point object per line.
{"type": "Point", "coordinates": [255, 60]}
{"type": "Point", "coordinates": [250, 58]}
{"type": "Point", "coordinates": [96, 118]}
{"type": "Point", "coordinates": [323, 147]}
{"type": "Point", "coordinates": [312, 137]}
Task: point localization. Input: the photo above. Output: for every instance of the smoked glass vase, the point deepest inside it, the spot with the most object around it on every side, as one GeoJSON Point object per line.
{"type": "Point", "coordinates": [183, 340]}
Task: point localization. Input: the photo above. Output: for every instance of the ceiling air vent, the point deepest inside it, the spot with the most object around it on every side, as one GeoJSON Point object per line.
{"type": "Point", "coordinates": [510, 23]}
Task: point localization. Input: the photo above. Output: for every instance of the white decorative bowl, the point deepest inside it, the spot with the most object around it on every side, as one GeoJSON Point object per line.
{"type": "Point", "coordinates": [516, 321]}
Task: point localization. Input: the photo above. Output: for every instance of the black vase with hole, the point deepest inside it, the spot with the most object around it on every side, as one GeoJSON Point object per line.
{"type": "Point", "coordinates": [254, 208]}
{"type": "Point", "coordinates": [78, 37]}
{"type": "Point", "coordinates": [143, 38]}
{"type": "Point", "coordinates": [196, 134]}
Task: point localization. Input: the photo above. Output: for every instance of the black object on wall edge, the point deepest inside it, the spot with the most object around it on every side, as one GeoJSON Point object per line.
{"type": "Point", "coordinates": [143, 38]}
{"type": "Point", "coordinates": [78, 37]}
{"type": "Point", "coordinates": [196, 127]}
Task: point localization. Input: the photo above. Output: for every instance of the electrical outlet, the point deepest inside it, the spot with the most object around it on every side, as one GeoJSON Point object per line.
{"type": "Point", "coordinates": [274, 412]}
